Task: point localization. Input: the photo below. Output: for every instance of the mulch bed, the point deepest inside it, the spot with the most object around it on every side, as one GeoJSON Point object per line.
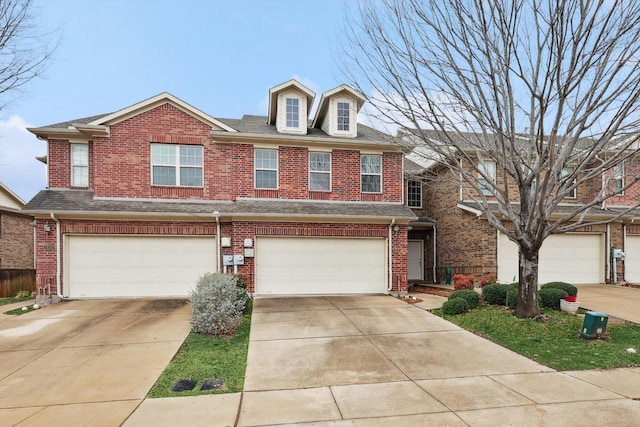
{"type": "Point", "coordinates": [431, 290]}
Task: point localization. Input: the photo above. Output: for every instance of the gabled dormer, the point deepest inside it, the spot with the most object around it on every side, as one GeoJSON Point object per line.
{"type": "Point", "coordinates": [289, 107]}
{"type": "Point", "coordinates": [337, 113]}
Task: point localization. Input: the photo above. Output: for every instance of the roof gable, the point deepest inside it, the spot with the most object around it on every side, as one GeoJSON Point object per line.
{"type": "Point", "coordinates": [156, 101]}
{"type": "Point", "coordinates": [343, 89]}
{"type": "Point", "coordinates": [9, 199]}
{"type": "Point", "coordinates": [292, 84]}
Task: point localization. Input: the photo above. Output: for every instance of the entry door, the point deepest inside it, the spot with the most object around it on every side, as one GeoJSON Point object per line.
{"type": "Point", "coordinates": [415, 259]}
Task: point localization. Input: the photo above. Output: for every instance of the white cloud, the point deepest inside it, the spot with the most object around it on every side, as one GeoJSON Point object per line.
{"type": "Point", "coordinates": [19, 170]}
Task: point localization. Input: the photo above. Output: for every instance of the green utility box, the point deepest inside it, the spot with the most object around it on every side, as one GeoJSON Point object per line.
{"type": "Point", "coordinates": [594, 325]}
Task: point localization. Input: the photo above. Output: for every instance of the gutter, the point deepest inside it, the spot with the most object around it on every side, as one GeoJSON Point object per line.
{"type": "Point", "coordinates": [434, 254]}
{"type": "Point", "coordinates": [464, 207]}
{"type": "Point", "coordinates": [58, 284]}
{"type": "Point", "coordinates": [218, 251]}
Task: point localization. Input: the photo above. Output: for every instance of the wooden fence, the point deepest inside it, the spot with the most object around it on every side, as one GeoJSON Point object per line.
{"type": "Point", "coordinates": [13, 281]}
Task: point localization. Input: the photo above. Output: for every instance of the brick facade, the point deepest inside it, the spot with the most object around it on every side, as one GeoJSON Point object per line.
{"type": "Point", "coordinates": [16, 241]}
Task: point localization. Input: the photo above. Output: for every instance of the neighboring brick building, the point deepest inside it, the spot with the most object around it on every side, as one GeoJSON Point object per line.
{"type": "Point", "coordinates": [465, 242]}
{"type": "Point", "coordinates": [142, 201]}
{"type": "Point", "coordinates": [16, 232]}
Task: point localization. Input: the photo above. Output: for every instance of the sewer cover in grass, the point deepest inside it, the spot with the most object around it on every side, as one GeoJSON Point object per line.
{"type": "Point", "coordinates": [211, 385]}
{"type": "Point", "coordinates": [183, 385]}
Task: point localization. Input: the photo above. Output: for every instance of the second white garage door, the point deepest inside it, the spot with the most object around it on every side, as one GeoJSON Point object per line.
{"type": "Point", "coordinates": [314, 266]}
{"type": "Point", "coordinates": [632, 261]}
{"type": "Point", "coordinates": [136, 266]}
{"type": "Point", "coordinates": [572, 258]}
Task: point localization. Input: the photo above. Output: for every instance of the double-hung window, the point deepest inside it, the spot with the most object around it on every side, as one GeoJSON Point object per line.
{"type": "Point", "coordinates": [79, 165]}
{"type": "Point", "coordinates": [371, 174]}
{"type": "Point", "coordinates": [618, 177]}
{"type": "Point", "coordinates": [266, 169]}
{"type": "Point", "coordinates": [320, 171]}
{"type": "Point", "coordinates": [177, 165]}
{"type": "Point", "coordinates": [414, 194]}
{"type": "Point", "coordinates": [293, 112]}
{"type": "Point", "coordinates": [486, 183]}
{"type": "Point", "coordinates": [566, 171]}
{"type": "Point", "coordinates": [343, 116]}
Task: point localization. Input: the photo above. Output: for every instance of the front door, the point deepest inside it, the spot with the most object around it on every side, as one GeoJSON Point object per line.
{"type": "Point", "coordinates": [415, 257]}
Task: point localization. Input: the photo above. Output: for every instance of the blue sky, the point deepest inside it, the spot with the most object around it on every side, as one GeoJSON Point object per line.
{"type": "Point", "coordinates": [220, 56]}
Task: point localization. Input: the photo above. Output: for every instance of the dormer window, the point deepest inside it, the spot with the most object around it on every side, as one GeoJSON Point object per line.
{"type": "Point", "coordinates": [293, 112]}
{"type": "Point", "coordinates": [343, 116]}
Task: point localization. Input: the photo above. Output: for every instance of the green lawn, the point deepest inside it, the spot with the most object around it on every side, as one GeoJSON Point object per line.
{"type": "Point", "coordinates": [556, 343]}
{"type": "Point", "coordinates": [11, 300]}
{"type": "Point", "coordinates": [203, 358]}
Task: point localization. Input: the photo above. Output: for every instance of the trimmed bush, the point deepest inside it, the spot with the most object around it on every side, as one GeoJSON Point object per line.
{"type": "Point", "coordinates": [550, 297]}
{"type": "Point", "coordinates": [486, 279]}
{"type": "Point", "coordinates": [471, 297]}
{"type": "Point", "coordinates": [512, 297]}
{"type": "Point", "coordinates": [462, 281]}
{"type": "Point", "coordinates": [217, 303]}
{"type": "Point", "coordinates": [495, 293]}
{"type": "Point", "coordinates": [242, 281]}
{"type": "Point", "coordinates": [567, 287]}
{"type": "Point", "coordinates": [455, 306]}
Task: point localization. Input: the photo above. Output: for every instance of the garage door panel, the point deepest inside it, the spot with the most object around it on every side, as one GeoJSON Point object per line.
{"type": "Point", "coordinates": [308, 266]}
{"type": "Point", "coordinates": [573, 258]}
{"type": "Point", "coordinates": [632, 261]}
{"type": "Point", "coordinates": [136, 266]}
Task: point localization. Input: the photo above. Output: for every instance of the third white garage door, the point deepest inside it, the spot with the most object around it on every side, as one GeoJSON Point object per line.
{"type": "Point", "coordinates": [314, 266]}
{"type": "Point", "coordinates": [572, 258]}
{"type": "Point", "coordinates": [632, 263]}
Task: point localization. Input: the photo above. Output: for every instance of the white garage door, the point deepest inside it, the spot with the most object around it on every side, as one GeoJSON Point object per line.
{"type": "Point", "coordinates": [312, 266]}
{"type": "Point", "coordinates": [136, 266]}
{"type": "Point", "coordinates": [632, 262]}
{"type": "Point", "coordinates": [572, 258]}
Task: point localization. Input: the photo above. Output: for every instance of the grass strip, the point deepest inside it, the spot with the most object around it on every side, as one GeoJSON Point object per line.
{"type": "Point", "coordinates": [203, 358]}
{"type": "Point", "coordinates": [556, 343]}
{"type": "Point", "coordinates": [11, 300]}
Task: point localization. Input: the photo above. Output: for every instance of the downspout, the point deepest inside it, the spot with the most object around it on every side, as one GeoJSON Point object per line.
{"type": "Point", "coordinates": [58, 289]}
{"type": "Point", "coordinates": [608, 252]}
{"type": "Point", "coordinates": [602, 182]}
{"type": "Point", "coordinates": [390, 257]}
{"type": "Point", "coordinates": [218, 251]}
{"type": "Point", "coordinates": [434, 254]}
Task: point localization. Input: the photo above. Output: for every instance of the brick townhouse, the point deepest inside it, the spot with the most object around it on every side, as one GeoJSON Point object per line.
{"type": "Point", "coordinates": [454, 232]}
{"type": "Point", "coordinates": [16, 232]}
{"type": "Point", "coordinates": [142, 201]}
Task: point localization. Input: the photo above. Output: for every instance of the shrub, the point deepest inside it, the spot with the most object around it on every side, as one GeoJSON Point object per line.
{"type": "Point", "coordinates": [455, 306]}
{"type": "Point", "coordinates": [242, 281]}
{"type": "Point", "coordinates": [495, 293]}
{"type": "Point", "coordinates": [471, 297]}
{"type": "Point", "coordinates": [462, 281]}
{"type": "Point", "coordinates": [217, 303]}
{"type": "Point", "coordinates": [567, 287]}
{"type": "Point", "coordinates": [550, 297]}
{"type": "Point", "coordinates": [486, 279]}
{"type": "Point", "coordinates": [24, 294]}
{"type": "Point", "coordinates": [512, 297]}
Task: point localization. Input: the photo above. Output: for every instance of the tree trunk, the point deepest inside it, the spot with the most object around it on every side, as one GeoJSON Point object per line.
{"type": "Point", "coordinates": [527, 305]}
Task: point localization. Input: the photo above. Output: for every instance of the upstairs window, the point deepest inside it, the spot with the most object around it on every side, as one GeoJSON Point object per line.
{"type": "Point", "coordinates": [371, 174]}
{"type": "Point", "coordinates": [178, 165]}
{"type": "Point", "coordinates": [320, 171]}
{"type": "Point", "coordinates": [266, 169]}
{"type": "Point", "coordinates": [293, 112]}
{"type": "Point", "coordinates": [618, 177]}
{"type": "Point", "coordinates": [566, 171]}
{"type": "Point", "coordinates": [488, 168]}
{"type": "Point", "coordinates": [343, 116]}
{"type": "Point", "coordinates": [414, 194]}
{"type": "Point", "coordinates": [79, 165]}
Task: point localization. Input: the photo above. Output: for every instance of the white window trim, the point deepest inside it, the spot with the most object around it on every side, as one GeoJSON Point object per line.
{"type": "Point", "coordinates": [338, 116]}
{"type": "Point", "coordinates": [329, 172]}
{"type": "Point", "coordinates": [574, 193]}
{"type": "Point", "coordinates": [486, 189]}
{"type": "Point", "coordinates": [618, 175]}
{"type": "Point", "coordinates": [286, 98]}
{"type": "Point", "coordinates": [72, 166]}
{"type": "Point", "coordinates": [352, 117]}
{"type": "Point", "coordinates": [379, 174]}
{"type": "Point", "coordinates": [177, 165]}
{"type": "Point", "coordinates": [255, 169]}
{"type": "Point", "coordinates": [420, 199]}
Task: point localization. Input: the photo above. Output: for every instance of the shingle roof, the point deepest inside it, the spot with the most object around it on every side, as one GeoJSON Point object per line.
{"type": "Point", "coordinates": [560, 210]}
{"type": "Point", "coordinates": [84, 120]}
{"type": "Point", "coordinates": [82, 201]}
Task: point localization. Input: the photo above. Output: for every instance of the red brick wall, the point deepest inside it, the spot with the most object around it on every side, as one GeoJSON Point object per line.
{"type": "Point", "coordinates": [16, 241]}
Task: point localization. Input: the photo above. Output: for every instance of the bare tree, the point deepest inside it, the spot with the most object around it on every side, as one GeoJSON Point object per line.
{"type": "Point", "coordinates": [24, 48]}
{"type": "Point", "coordinates": [548, 90]}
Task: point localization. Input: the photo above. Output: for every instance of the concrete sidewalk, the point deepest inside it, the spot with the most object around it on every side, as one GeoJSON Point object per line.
{"type": "Point", "coordinates": [378, 361]}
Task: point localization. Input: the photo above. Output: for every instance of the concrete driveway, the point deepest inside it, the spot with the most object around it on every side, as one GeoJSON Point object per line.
{"type": "Point", "coordinates": [85, 362]}
{"type": "Point", "coordinates": [617, 301]}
